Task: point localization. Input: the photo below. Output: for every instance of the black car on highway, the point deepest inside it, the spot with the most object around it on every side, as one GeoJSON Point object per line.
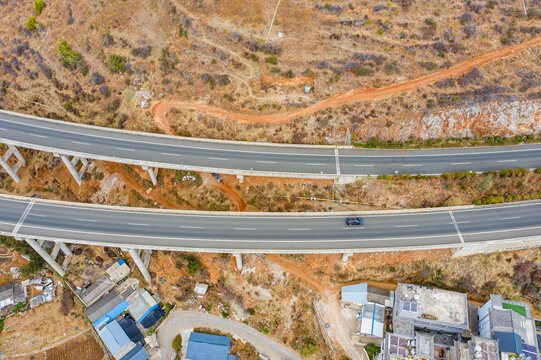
{"type": "Point", "coordinates": [354, 221]}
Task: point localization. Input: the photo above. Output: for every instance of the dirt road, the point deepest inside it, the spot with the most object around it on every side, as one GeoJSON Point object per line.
{"type": "Point", "coordinates": [159, 118]}
{"type": "Point", "coordinates": [329, 305]}
{"type": "Point", "coordinates": [159, 109]}
{"type": "Point", "coordinates": [234, 198]}
{"type": "Point", "coordinates": [180, 320]}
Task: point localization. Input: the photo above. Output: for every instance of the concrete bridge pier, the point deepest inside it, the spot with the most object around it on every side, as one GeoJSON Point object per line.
{"type": "Point", "coordinates": [134, 253]}
{"type": "Point", "coordinates": [238, 258]}
{"type": "Point", "coordinates": [12, 150]}
{"type": "Point", "coordinates": [45, 255]}
{"type": "Point", "coordinates": [71, 165]}
{"type": "Point", "coordinates": [153, 172]}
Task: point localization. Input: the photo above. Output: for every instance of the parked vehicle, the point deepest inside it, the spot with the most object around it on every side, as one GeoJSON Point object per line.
{"type": "Point", "coordinates": [354, 221]}
{"type": "Point", "coordinates": [216, 176]}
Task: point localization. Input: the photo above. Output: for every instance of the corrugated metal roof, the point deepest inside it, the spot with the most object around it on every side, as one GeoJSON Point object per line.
{"type": "Point", "coordinates": [137, 353]}
{"type": "Point", "coordinates": [96, 290]}
{"type": "Point", "coordinates": [103, 306]}
{"type": "Point", "coordinates": [152, 318]}
{"type": "Point", "coordinates": [509, 342]}
{"type": "Point", "coordinates": [128, 325]}
{"type": "Point", "coordinates": [113, 337]}
{"type": "Point", "coordinates": [207, 347]}
{"type": "Point", "coordinates": [140, 304]}
{"type": "Point", "coordinates": [356, 294]}
{"type": "Point", "coordinates": [372, 319]}
{"type": "Point", "coordinates": [112, 314]}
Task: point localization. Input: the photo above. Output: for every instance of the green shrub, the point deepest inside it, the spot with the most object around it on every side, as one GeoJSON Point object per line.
{"type": "Point", "coordinates": [225, 79]}
{"type": "Point", "coordinates": [372, 350]}
{"type": "Point", "coordinates": [38, 6]}
{"type": "Point", "coordinates": [31, 24]}
{"type": "Point", "coordinates": [538, 170]}
{"type": "Point", "coordinates": [431, 22]}
{"type": "Point", "coordinates": [288, 74]}
{"type": "Point", "coordinates": [193, 264]}
{"type": "Point", "coordinates": [272, 60]}
{"type": "Point", "coordinates": [372, 143]}
{"type": "Point", "coordinates": [275, 69]}
{"type": "Point", "coordinates": [115, 63]}
{"type": "Point", "coordinates": [182, 32]}
{"type": "Point", "coordinates": [177, 343]}
{"type": "Point", "coordinates": [69, 58]}
{"type": "Point", "coordinates": [453, 201]}
{"type": "Point", "coordinates": [251, 311]}
{"type": "Point", "coordinates": [309, 347]}
{"type": "Point", "coordinates": [485, 184]}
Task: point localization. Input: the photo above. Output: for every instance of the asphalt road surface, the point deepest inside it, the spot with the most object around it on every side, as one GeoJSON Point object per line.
{"type": "Point", "coordinates": [99, 225]}
{"type": "Point", "coordinates": [172, 152]}
{"type": "Point", "coordinates": [180, 321]}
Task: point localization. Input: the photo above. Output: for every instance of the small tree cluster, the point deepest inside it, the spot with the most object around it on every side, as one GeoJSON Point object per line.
{"type": "Point", "coordinates": [116, 63]}
{"type": "Point", "coordinates": [38, 7]}
{"type": "Point", "coordinates": [177, 343]}
{"type": "Point", "coordinates": [69, 58]}
{"type": "Point", "coordinates": [182, 31]}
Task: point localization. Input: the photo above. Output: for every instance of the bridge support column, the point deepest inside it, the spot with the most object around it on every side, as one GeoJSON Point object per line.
{"type": "Point", "coordinates": [140, 264]}
{"type": "Point", "coordinates": [346, 256]}
{"type": "Point", "coordinates": [48, 258]}
{"type": "Point", "coordinates": [71, 165]}
{"type": "Point", "coordinates": [153, 172]}
{"type": "Point", "coordinates": [65, 249]}
{"type": "Point", "coordinates": [12, 150]}
{"type": "Point", "coordinates": [238, 258]}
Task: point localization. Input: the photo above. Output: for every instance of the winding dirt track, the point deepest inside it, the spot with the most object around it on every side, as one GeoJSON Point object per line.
{"type": "Point", "coordinates": [160, 108]}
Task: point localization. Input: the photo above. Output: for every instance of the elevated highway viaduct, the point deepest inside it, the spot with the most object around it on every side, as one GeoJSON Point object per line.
{"type": "Point", "coordinates": [76, 143]}
{"type": "Point", "coordinates": [465, 229]}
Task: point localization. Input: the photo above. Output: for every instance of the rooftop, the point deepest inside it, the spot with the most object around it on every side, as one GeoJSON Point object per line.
{"type": "Point", "coordinates": [484, 349]}
{"type": "Point", "coordinates": [362, 293]}
{"type": "Point", "coordinates": [97, 290]}
{"type": "Point", "coordinates": [206, 346]}
{"type": "Point", "coordinates": [432, 304]}
{"type": "Point", "coordinates": [113, 337]}
{"type": "Point", "coordinates": [103, 306]}
{"type": "Point", "coordinates": [118, 271]}
{"type": "Point", "coordinates": [141, 304]}
{"type": "Point", "coordinates": [356, 293]}
{"type": "Point", "coordinates": [373, 317]}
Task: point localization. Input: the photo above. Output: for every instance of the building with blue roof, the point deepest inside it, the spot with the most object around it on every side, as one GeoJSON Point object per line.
{"type": "Point", "coordinates": [119, 344]}
{"type": "Point", "coordinates": [509, 342]}
{"type": "Point", "coordinates": [113, 337]}
{"type": "Point", "coordinates": [136, 353]}
{"type": "Point", "coordinates": [511, 323]}
{"type": "Point", "coordinates": [208, 347]}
